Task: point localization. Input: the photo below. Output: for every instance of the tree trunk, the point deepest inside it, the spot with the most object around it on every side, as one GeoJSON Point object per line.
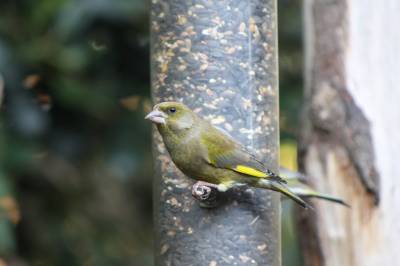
{"type": "Point", "coordinates": [220, 59]}
{"type": "Point", "coordinates": [350, 141]}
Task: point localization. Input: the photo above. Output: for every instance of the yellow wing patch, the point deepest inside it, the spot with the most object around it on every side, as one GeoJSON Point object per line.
{"type": "Point", "coordinates": [249, 171]}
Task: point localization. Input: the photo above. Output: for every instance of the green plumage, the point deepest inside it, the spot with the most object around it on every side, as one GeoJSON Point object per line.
{"type": "Point", "coordinates": [205, 153]}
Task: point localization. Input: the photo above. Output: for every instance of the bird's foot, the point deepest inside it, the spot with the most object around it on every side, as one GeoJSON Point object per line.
{"type": "Point", "coordinates": [205, 193]}
{"type": "Point", "coordinates": [202, 190]}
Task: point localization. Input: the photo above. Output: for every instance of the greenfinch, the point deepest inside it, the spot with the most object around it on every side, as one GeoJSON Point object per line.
{"type": "Point", "coordinates": [208, 155]}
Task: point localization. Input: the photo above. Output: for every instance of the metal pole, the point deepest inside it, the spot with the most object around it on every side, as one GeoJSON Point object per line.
{"type": "Point", "coordinates": [220, 59]}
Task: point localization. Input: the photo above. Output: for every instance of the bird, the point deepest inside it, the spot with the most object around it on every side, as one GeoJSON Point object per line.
{"type": "Point", "coordinates": [204, 153]}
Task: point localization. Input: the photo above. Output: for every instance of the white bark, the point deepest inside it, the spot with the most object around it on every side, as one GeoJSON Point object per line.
{"type": "Point", "coordinates": [373, 76]}
{"type": "Point", "coordinates": [366, 59]}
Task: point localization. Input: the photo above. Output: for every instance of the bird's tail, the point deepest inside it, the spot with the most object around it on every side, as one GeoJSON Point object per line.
{"type": "Point", "coordinates": [327, 197]}
{"type": "Point", "coordinates": [304, 191]}
{"type": "Point", "coordinates": [282, 188]}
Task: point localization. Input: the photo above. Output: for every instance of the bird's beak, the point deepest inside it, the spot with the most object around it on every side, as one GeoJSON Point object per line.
{"type": "Point", "coordinates": [157, 117]}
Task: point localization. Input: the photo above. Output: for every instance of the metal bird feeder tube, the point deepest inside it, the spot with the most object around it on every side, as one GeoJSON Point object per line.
{"type": "Point", "coordinates": [220, 59]}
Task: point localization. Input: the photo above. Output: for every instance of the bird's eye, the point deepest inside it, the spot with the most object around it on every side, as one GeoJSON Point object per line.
{"type": "Point", "coordinates": [172, 110]}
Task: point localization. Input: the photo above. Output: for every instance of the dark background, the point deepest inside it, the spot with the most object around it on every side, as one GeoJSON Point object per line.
{"type": "Point", "coordinates": [75, 153]}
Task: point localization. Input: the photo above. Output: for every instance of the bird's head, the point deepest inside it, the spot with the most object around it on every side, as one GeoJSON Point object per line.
{"type": "Point", "coordinates": [173, 115]}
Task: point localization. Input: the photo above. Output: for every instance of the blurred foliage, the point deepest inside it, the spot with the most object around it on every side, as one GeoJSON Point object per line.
{"type": "Point", "coordinates": [75, 162]}
{"type": "Point", "coordinates": [290, 243]}
{"type": "Point", "coordinates": [291, 92]}
{"type": "Point", "coordinates": [290, 66]}
{"type": "Point", "coordinates": [288, 154]}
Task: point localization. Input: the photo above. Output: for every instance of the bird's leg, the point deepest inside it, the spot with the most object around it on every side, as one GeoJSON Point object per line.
{"type": "Point", "coordinates": [207, 193]}
{"type": "Point", "coordinates": [202, 190]}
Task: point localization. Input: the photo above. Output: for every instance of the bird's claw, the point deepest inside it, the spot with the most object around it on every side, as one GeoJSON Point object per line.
{"type": "Point", "coordinates": [201, 192]}
{"type": "Point", "coordinates": [206, 194]}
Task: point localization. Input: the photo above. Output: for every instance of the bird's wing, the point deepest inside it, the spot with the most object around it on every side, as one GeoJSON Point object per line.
{"type": "Point", "coordinates": [223, 152]}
